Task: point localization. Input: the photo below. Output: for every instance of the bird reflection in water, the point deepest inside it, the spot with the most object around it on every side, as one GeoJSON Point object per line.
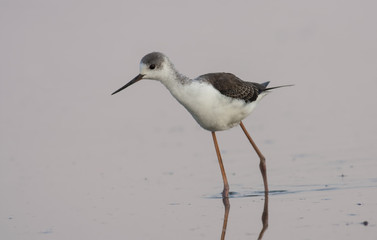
{"type": "Point", "coordinates": [264, 216]}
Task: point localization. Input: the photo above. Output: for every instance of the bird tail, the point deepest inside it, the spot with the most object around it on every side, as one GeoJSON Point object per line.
{"type": "Point", "coordinates": [270, 88]}
{"type": "Point", "coordinates": [265, 84]}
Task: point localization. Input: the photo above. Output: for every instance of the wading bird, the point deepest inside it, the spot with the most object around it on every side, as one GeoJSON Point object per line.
{"type": "Point", "coordinates": [217, 101]}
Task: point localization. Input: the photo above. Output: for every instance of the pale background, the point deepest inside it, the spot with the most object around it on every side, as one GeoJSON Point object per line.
{"type": "Point", "coordinates": [77, 163]}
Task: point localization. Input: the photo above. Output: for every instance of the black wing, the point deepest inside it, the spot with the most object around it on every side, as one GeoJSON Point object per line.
{"type": "Point", "coordinates": [231, 86]}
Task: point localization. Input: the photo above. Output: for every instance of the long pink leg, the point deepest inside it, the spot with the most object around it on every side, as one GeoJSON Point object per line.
{"type": "Point", "coordinates": [262, 164]}
{"type": "Point", "coordinates": [226, 185]}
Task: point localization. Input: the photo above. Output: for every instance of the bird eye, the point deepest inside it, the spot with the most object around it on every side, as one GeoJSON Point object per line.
{"type": "Point", "coordinates": [152, 66]}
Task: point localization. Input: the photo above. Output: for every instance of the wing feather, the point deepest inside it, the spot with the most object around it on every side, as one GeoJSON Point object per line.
{"type": "Point", "coordinates": [231, 86]}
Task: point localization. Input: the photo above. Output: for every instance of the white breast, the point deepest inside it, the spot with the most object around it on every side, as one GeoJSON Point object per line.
{"type": "Point", "coordinates": [212, 110]}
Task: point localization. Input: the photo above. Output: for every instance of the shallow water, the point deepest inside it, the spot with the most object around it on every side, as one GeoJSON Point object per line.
{"type": "Point", "coordinates": [77, 163]}
{"type": "Point", "coordinates": [175, 200]}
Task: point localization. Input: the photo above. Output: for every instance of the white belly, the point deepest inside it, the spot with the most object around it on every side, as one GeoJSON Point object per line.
{"type": "Point", "coordinates": [212, 110]}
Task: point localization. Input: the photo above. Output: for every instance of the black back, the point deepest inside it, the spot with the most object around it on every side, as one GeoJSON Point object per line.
{"type": "Point", "coordinates": [231, 86]}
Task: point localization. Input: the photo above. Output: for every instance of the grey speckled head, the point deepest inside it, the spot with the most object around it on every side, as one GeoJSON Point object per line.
{"type": "Point", "coordinates": [157, 66]}
{"type": "Point", "coordinates": [153, 60]}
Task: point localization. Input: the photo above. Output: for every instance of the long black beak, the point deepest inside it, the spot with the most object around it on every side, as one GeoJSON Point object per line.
{"type": "Point", "coordinates": [137, 78]}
